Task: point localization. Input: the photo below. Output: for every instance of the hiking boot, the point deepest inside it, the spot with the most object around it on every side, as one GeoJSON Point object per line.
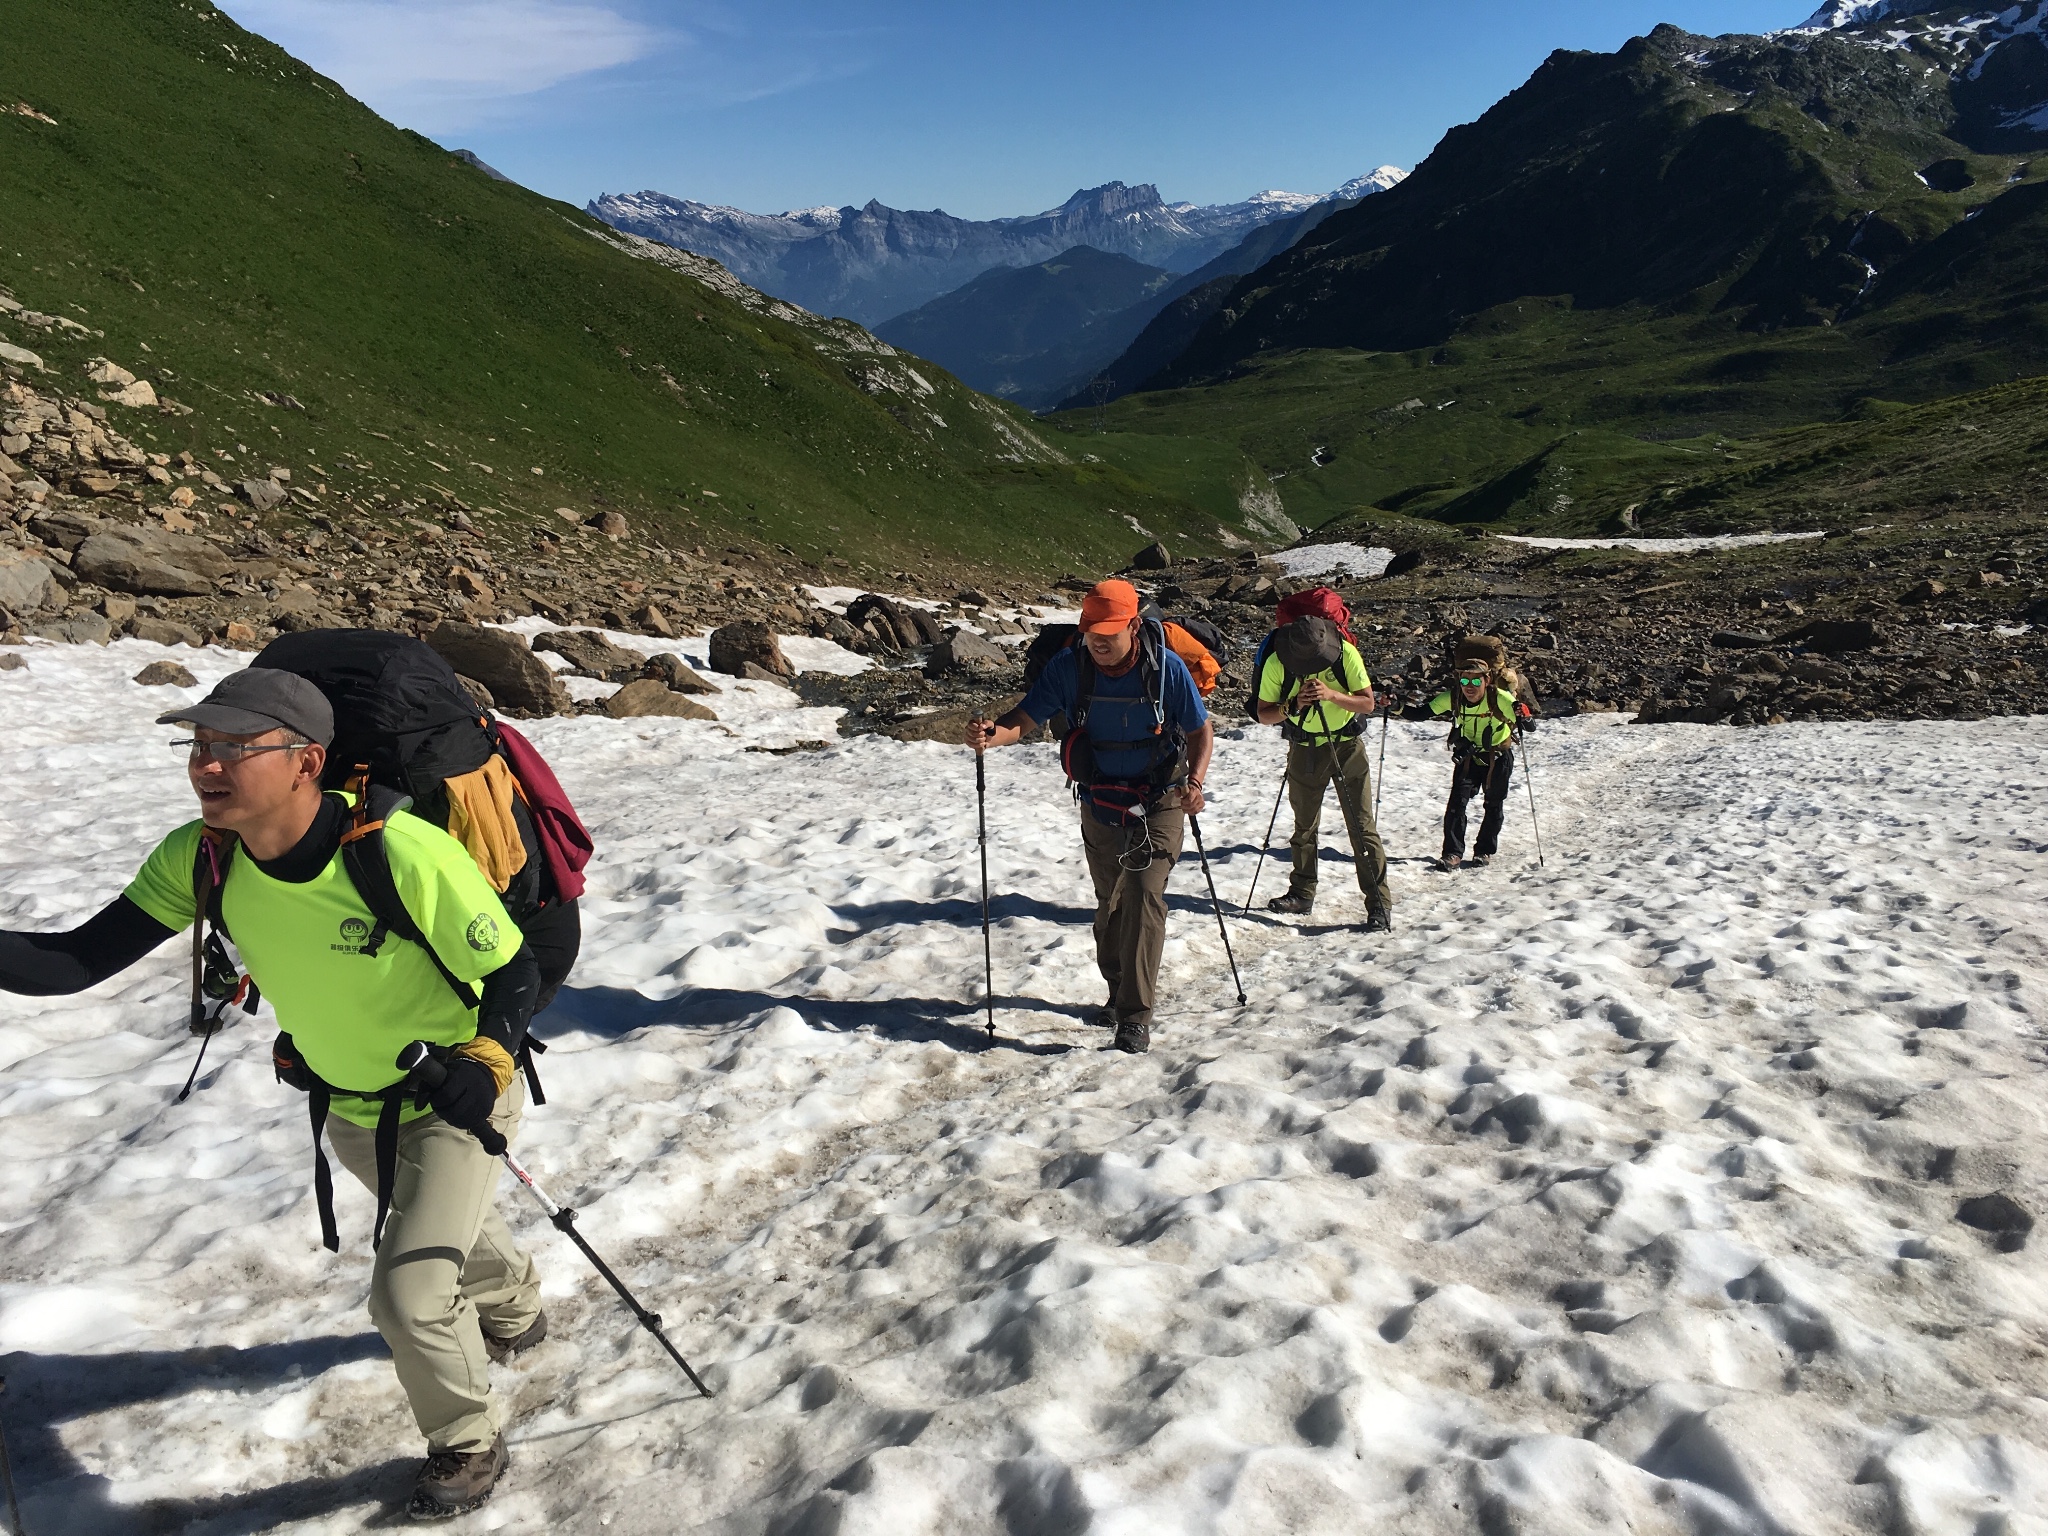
{"type": "Point", "coordinates": [453, 1482]}
{"type": "Point", "coordinates": [1482, 858]}
{"type": "Point", "coordinates": [1294, 904]}
{"type": "Point", "coordinates": [1449, 861]}
{"type": "Point", "coordinates": [502, 1349]}
{"type": "Point", "coordinates": [1379, 920]}
{"type": "Point", "coordinates": [1133, 1038]}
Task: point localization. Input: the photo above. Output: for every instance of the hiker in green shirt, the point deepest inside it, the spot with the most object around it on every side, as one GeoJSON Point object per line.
{"type": "Point", "coordinates": [1483, 725]}
{"type": "Point", "coordinates": [450, 1291]}
{"type": "Point", "coordinates": [1314, 685]}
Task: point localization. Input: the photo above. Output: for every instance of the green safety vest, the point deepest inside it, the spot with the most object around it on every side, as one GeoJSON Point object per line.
{"type": "Point", "coordinates": [1325, 722]}
{"type": "Point", "coordinates": [1487, 725]}
{"type": "Point", "coordinates": [350, 1014]}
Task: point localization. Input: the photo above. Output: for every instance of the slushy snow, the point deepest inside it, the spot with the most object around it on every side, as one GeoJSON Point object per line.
{"type": "Point", "coordinates": [1614, 1195]}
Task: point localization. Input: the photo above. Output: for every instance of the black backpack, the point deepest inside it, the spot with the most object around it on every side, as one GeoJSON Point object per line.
{"type": "Point", "coordinates": [1305, 646]}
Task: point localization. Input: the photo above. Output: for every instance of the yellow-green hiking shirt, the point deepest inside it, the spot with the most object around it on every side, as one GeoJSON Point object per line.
{"type": "Point", "coordinates": [1485, 725]}
{"type": "Point", "coordinates": [349, 1014]}
{"type": "Point", "coordinates": [1324, 722]}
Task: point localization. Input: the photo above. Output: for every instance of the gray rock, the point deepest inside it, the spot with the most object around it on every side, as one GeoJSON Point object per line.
{"type": "Point", "coordinates": [1153, 557]}
{"type": "Point", "coordinates": [671, 669]}
{"type": "Point", "coordinates": [25, 582]}
{"type": "Point", "coordinates": [263, 495]}
{"type": "Point", "coordinates": [1833, 635]}
{"type": "Point", "coordinates": [591, 654]}
{"type": "Point", "coordinates": [150, 560]}
{"type": "Point", "coordinates": [63, 530]}
{"type": "Point", "coordinates": [477, 691]}
{"type": "Point", "coordinates": [963, 651]}
{"type": "Point", "coordinates": [160, 674]}
{"type": "Point", "coordinates": [13, 661]}
{"type": "Point", "coordinates": [735, 647]}
{"type": "Point", "coordinates": [887, 620]}
{"type": "Point", "coordinates": [750, 672]}
{"type": "Point", "coordinates": [519, 680]}
{"type": "Point", "coordinates": [164, 632]}
{"type": "Point", "coordinates": [1738, 640]}
{"type": "Point", "coordinates": [651, 696]}
{"type": "Point", "coordinates": [83, 629]}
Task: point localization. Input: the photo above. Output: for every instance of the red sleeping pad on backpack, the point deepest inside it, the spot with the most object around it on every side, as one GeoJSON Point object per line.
{"type": "Point", "coordinates": [1315, 603]}
{"type": "Point", "coordinates": [564, 842]}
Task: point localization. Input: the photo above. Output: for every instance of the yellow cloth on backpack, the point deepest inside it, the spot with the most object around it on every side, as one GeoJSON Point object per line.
{"type": "Point", "coordinates": [480, 818]}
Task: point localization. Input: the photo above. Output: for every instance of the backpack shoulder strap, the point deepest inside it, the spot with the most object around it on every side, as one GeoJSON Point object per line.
{"type": "Point", "coordinates": [1084, 685]}
{"type": "Point", "coordinates": [368, 864]}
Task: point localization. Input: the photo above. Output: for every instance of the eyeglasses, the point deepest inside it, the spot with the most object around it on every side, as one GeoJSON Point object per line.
{"type": "Point", "coordinates": [230, 751]}
{"type": "Point", "coordinates": [1472, 682]}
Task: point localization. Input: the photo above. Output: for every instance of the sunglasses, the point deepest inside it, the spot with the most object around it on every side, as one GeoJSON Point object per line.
{"type": "Point", "coordinates": [229, 751]}
{"type": "Point", "coordinates": [1472, 682]}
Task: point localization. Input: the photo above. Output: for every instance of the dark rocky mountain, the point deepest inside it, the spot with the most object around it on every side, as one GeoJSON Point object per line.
{"type": "Point", "coordinates": [875, 262]}
{"type": "Point", "coordinates": [1772, 179]}
{"type": "Point", "coordinates": [1027, 332]}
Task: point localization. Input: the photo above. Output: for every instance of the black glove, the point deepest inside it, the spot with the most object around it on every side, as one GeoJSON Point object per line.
{"type": "Point", "coordinates": [289, 1065]}
{"type": "Point", "coordinates": [467, 1095]}
{"type": "Point", "coordinates": [1526, 725]}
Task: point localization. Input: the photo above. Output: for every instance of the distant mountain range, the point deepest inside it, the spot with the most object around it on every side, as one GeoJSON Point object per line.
{"type": "Point", "coordinates": [875, 262]}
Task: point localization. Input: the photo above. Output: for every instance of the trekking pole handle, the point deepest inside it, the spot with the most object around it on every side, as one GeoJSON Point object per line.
{"type": "Point", "coordinates": [423, 1069]}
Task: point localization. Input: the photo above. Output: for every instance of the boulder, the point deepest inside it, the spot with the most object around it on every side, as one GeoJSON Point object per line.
{"type": "Point", "coordinates": [1833, 635]}
{"type": "Point", "coordinates": [104, 372]}
{"type": "Point", "coordinates": [263, 495]}
{"type": "Point", "coordinates": [1985, 579]}
{"type": "Point", "coordinates": [671, 669]}
{"type": "Point", "coordinates": [141, 395]}
{"type": "Point", "coordinates": [1923, 592]}
{"type": "Point", "coordinates": [80, 629]}
{"type": "Point", "coordinates": [651, 696]}
{"type": "Point", "coordinates": [611, 524]}
{"type": "Point", "coordinates": [64, 530]}
{"type": "Point", "coordinates": [21, 357]}
{"type": "Point", "coordinates": [963, 652]}
{"type": "Point", "coordinates": [750, 672]}
{"type": "Point", "coordinates": [1763, 664]}
{"type": "Point", "coordinates": [1153, 557]}
{"type": "Point", "coordinates": [164, 632]}
{"type": "Point", "coordinates": [160, 674]}
{"type": "Point", "coordinates": [734, 647]}
{"type": "Point", "coordinates": [1738, 640]}
{"type": "Point", "coordinates": [25, 582]}
{"type": "Point", "coordinates": [13, 661]}
{"type": "Point", "coordinates": [886, 619]}
{"type": "Point", "coordinates": [519, 680]}
{"type": "Point", "coordinates": [1405, 561]}
{"type": "Point", "coordinates": [1826, 674]}
{"type": "Point", "coordinates": [591, 654]}
{"type": "Point", "coordinates": [128, 558]}
{"type": "Point", "coordinates": [927, 627]}
{"type": "Point", "coordinates": [650, 620]}
{"type": "Point", "coordinates": [477, 691]}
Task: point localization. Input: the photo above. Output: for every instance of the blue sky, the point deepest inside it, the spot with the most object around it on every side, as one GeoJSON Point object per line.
{"type": "Point", "coordinates": [980, 108]}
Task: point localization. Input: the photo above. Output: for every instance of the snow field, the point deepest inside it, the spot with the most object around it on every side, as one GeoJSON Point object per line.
{"type": "Point", "coordinates": [1616, 1195]}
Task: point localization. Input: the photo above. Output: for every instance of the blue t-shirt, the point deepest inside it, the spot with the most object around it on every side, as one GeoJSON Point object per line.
{"type": "Point", "coordinates": [1121, 711]}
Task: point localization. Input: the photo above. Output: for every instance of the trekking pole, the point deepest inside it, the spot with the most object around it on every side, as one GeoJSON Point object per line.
{"type": "Point", "coordinates": [1529, 783]}
{"type": "Point", "coordinates": [1202, 853]}
{"type": "Point", "coordinates": [425, 1069]}
{"type": "Point", "coordinates": [1379, 782]}
{"type": "Point", "coordinates": [7, 1473]}
{"type": "Point", "coordinates": [1271, 822]}
{"type": "Point", "coordinates": [988, 965]}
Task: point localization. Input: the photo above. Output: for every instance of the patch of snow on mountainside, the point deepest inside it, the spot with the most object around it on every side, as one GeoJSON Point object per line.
{"type": "Point", "coordinates": [1623, 1193]}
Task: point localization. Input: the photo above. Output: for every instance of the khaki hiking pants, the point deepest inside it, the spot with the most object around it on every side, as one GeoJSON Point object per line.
{"type": "Point", "coordinates": [1130, 904]}
{"type": "Point", "coordinates": [447, 1269]}
{"type": "Point", "coordinates": [1310, 767]}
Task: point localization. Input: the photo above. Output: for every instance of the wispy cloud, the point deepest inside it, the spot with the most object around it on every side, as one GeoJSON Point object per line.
{"type": "Point", "coordinates": [445, 65]}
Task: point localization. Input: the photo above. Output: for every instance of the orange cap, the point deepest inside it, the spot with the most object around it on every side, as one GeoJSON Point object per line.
{"type": "Point", "coordinates": [1109, 606]}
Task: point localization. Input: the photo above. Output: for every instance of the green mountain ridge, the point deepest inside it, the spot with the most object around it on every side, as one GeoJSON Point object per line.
{"type": "Point", "coordinates": [327, 289]}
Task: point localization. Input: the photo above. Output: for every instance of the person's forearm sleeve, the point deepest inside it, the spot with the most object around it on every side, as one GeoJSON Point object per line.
{"type": "Point", "coordinates": [56, 964]}
{"type": "Point", "coordinates": [509, 995]}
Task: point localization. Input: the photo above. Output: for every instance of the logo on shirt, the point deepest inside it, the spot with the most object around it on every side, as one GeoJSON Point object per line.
{"type": "Point", "coordinates": [483, 933]}
{"type": "Point", "coordinates": [353, 932]}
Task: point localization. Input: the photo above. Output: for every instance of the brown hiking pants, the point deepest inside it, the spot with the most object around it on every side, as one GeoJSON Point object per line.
{"type": "Point", "coordinates": [1130, 903]}
{"type": "Point", "coordinates": [1310, 768]}
{"type": "Point", "coordinates": [447, 1269]}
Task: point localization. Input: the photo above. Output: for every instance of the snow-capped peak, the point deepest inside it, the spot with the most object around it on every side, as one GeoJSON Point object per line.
{"type": "Point", "coordinates": [1845, 13]}
{"type": "Point", "coordinates": [1381, 180]}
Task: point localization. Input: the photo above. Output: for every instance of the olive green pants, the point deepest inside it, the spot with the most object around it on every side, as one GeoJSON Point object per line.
{"type": "Point", "coordinates": [447, 1269]}
{"type": "Point", "coordinates": [1130, 903]}
{"type": "Point", "coordinates": [1310, 767]}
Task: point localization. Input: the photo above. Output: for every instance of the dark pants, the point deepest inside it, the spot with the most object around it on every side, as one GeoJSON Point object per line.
{"type": "Point", "coordinates": [1130, 904]}
{"type": "Point", "coordinates": [1310, 767]}
{"type": "Point", "coordinates": [1473, 774]}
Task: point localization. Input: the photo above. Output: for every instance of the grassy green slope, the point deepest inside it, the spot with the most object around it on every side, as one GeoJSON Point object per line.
{"type": "Point", "coordinates": [234, 225]}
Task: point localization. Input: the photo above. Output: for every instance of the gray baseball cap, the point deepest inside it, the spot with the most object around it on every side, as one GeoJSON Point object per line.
{"type": "Point", "coordinates": [259, 699]}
